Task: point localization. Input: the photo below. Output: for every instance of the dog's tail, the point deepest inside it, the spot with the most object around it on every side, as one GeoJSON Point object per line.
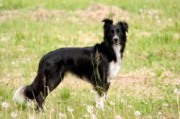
{"type": "Point", "coordinates": [24, 93]}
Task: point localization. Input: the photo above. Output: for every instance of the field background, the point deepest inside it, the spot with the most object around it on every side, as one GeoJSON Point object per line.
{"type": "Point", "coordinates": [149, 79]}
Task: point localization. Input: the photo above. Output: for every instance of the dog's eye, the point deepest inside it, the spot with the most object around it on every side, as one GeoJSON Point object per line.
{"type": "Point", "coordinates": [112, 31]}
{"type": "Point", "coordinates": [117, 30]}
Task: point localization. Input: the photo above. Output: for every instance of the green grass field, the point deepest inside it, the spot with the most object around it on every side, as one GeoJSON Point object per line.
{"type": "Point", "coordinates": [148, 84]}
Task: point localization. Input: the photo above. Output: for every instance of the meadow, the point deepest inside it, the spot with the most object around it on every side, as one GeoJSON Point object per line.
{"type": "Point", "coordinates": [148, 84]}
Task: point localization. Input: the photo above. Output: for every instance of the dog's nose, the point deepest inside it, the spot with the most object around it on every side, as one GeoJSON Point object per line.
{"type": "Point", "coordinates": [115, 39]}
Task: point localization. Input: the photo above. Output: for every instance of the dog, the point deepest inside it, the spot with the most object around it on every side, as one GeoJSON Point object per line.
{"type": "Point", "coordinates": [97, 65]}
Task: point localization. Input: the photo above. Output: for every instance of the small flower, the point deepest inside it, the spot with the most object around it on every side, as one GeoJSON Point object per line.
{"type": "Point", "coordinates": [159, 113]}
{"type": "Point", "coordinates": [143, 101]}
{"type": "Point", "coordinates": [117, 117]}
{"type": "Point", "coordinates": [13, 63]}
{"type": "Point", "coordinates": [28, 59]}
{"type": "Point", "coordinates": [156, 17]}
{"type": "Point", "coordinates": [122, 101]}
{"type": "Point", "coordinates": [85, 115]}
{"type": "Point", "coordinates": [31, 117]}
{"type": "Point", "coordinates": [94, 116]}
{"type": "Point", "coordinates": [109, 108]}
{"type": "Point", "coordinates": [164, 117]}
{"type": "Point", "coordinates": [24, 61]}
{"type": "Point", "coordinates": [70, 109]}
{"type": "Point", "coordinates": [129, 106]}
{"type": "Point", "coordinates": [176, 91]}
{"type": "Point", "coordinates": [140, 10]}
{"type": "Point", "coordinates": [90, 109]}
{"type": "Point", "coordinates": [159, 21]}
{"type": "Point", "coordinates": [170, 19]}
{"type": "Point", "coordinates": [62, 115]}
{"type": "Point", "coordinates": [5, 105]}
{"type": "Point", "coordinates": [14, 115]}
{"type": "Point", "coordinates": [112, 103]}
{"type": "Point", "coordinates": [165, 104]}
{"type": "Point", "coordinates": [149, 117]}
{"type": "Point", "coordinates": [137, 113]}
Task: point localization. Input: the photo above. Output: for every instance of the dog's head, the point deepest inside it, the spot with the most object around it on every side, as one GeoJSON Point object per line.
{"type": "Point", "coordinates": [115, 34]}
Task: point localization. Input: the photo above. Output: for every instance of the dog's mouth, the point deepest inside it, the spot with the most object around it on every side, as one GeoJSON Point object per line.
{"type": "Point", "coordinates": [116, 43]}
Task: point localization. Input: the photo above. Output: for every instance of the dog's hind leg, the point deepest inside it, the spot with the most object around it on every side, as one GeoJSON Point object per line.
{"type": "Point", "coordinates": [52, 81]}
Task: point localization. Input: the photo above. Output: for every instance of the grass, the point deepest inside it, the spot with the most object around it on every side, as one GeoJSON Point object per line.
{"type": "Point", "coordinates": [150, 70]}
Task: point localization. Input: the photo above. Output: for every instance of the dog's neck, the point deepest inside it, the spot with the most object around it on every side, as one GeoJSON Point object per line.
{"type": "Point", "coordinates": [112, 52]}
{"type": "Point", "coordinates": [117, 49]}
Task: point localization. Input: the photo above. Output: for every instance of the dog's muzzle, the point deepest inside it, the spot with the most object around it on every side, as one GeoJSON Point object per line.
{"type": "Point", "coordinates": [116, 40]}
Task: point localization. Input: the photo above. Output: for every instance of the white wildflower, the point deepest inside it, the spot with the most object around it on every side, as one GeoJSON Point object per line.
{"type": "Point", "coordinates": [122, 101]}
{"type": "Point", "coordinates": [109, 108]}
{"type": "Point", "coordinates": [159, 21]}
{"type": "Point", "coordinates": [62, 115]}
{"type": "Point", "coordinates": [140, 10]}
{"type": "Point", "coordinates": [156, 17]}
{"type": "Point", "coordinates": [129, 106]}
{"type": "Point", "coordinates": [159, 113]}
{"type": "Point", "coordinates": [149, 117]}
{"type": "Point", "coordinates": [90, 109]}
{"type": "Point", "coordinates": [150, 12]}
{"type": "Point", "coordinates": [70, 109]}
{"type": "Point", "coordinates": [14, 115]}
{"type": "Point", "coordinates": [112, 103]}
{"type": "Point", "coordinates": [137, 113]}
{"type": "Point", "coordinates": [5, 105]}
{"type": "Point", "coordinates": [13, 63]}
{"type": "Point", "coordinates": [165, 104]}
{"type": "Point", "coordinates": [176, 91]}
{"type": "Point", "coordinates": [24, 61]}
{"type": "Point", "coordinates": [164, 117]}
{"type": "Point", "coordinates": [117, 117]}
{"type": "Point", "coordinates": [170, 19]}
{"type": "Point", "coordinates": [28, 59]}
{"type": "Point", "coordinates": [85, 115]}
{"type": "Point", "coordinates": [94, 116]}
{"type": "Point", "coordinates": [31, 117]}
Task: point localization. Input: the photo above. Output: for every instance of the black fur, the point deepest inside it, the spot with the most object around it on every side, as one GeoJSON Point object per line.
{"type": "Point", "coordinates": [88, 63]}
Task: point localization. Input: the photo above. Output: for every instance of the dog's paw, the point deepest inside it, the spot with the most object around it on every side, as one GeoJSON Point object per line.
{"type": "Point", "coordinates": [100, 104]}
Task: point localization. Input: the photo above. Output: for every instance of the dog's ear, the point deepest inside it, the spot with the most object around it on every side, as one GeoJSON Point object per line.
{"type": "Point", "coordinates": [124, 26]}
{"type": "Point", "coordinates": [107, 22]}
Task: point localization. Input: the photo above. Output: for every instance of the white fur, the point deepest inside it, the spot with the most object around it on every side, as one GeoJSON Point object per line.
{"type": "Point", "coordinates": [100, 101]}
{"type": "Point", "coordinates": [19, 95]}
{"type": "Point", "coordinates": [115, 66]}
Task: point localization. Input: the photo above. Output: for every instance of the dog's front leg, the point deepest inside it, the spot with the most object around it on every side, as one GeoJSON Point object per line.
{"type": "Point", "coordinates": [100, 100]}
{"type": "Point", "coordinates": [101, 94]}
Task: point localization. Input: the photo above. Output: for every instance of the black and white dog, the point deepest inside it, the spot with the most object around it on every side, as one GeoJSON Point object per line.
{"type": "Point", "coordinates": [97, 65]}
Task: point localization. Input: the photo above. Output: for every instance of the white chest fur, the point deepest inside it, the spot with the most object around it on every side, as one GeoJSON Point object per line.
{"type": "Point", "coordinates": [115, 66]}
